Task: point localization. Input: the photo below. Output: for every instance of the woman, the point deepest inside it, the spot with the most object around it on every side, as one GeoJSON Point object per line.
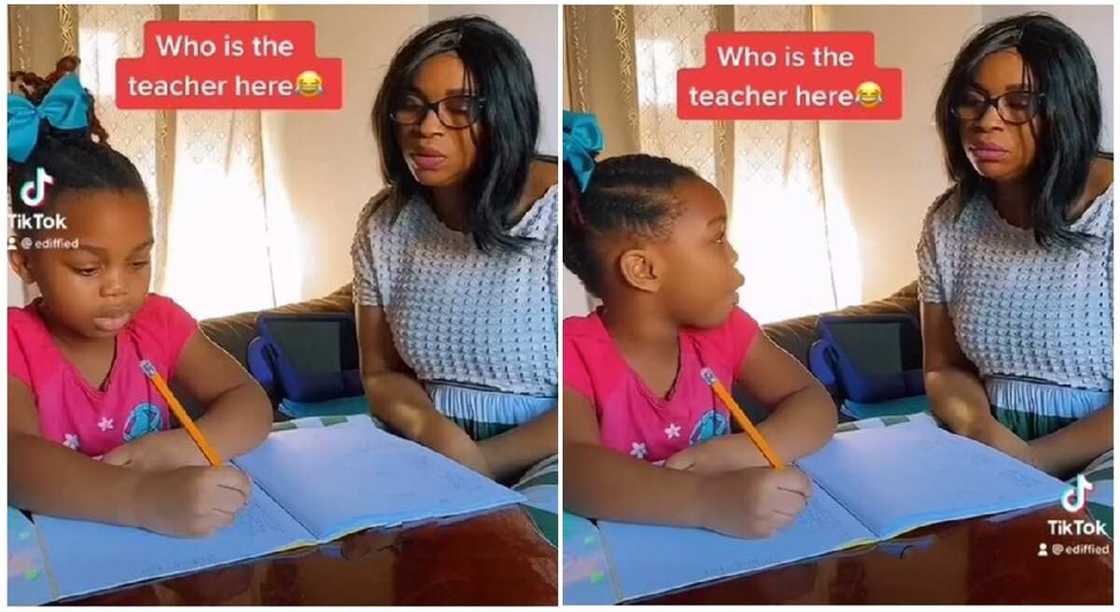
{"type": "Point", "coordinates": [1016, 258]}
{"type": "Point", "coordinates": [454, 263]}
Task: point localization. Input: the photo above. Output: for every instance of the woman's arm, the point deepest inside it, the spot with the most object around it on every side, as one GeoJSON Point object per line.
{"type": "Point", "coordinates": [1072, 447]}
{"type": "Point", "coordinates": [238, 414]}
{"type": "Point", "coordinates": [802, 419]}
{"type": "Point", "coordinates": [514, 450]}
{"type": "Point", "coordinates": [958, 398]}
{"type": "Point", "coordinates": [602, 483]}
{"type": "Point", "coordinates": [396, 397]}
{"type": "Point", "coordinates": [956, 395]}
{"type": "Point", "coordinates": [48, 478]}
{"type": "Point", "coordinates": [510, 452]}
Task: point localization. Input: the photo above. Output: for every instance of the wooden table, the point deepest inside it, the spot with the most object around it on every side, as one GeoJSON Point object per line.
{"type": "Point", "coordinates": [981, 560]}
{"type": "Point", "coordinates": [496, 558]}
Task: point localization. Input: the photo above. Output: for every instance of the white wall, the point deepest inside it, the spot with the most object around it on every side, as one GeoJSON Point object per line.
{"type": "Point", "coordinates": [16, 295]}
{"type": "Point", "coordinates": [883, 176]}
{"type": "Point", "coordinates": [314, 200]}
{"type": "Point", "coordinates": [880, 177]}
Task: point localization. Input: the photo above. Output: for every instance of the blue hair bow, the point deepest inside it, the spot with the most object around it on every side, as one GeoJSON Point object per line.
{"type": "Point", "coordinates": [66, 107]}
{"type": "Point", "coordinates": [583, 140]}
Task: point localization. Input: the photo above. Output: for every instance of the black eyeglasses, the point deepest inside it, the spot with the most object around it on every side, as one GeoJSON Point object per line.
{"type": "Point", "coordinates": [1014, 107]}
{"type": "Point", "coordinates": [454, 112]}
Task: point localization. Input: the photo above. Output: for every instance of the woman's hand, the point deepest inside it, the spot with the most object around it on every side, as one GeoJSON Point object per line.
{"type": "Point", "coordinates": [984, 428]}
{"type": "Point", "coordinates": [398, 399]}
{"type": "Point", "coordinates": [164, 450]}
{"type": "Point", "coordinates": [1070, 449]}
{"type": "Point", "coordinates": [995, 435]}
{"type": "Point", "coordinates": [447, 439]}
{"type": "Point", "coordinates": [510, 453]}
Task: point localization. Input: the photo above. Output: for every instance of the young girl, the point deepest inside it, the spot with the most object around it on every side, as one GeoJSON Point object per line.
{"type": "Point", "coordinates": [89, 436]}
{"type": "Point", "coordinates": [647, 236]}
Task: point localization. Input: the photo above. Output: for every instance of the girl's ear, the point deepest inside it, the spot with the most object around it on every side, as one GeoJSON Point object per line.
{"type": "Point", "coordinates": [641, 269]}
{"type": "Point", "coordinates": [20, 263]}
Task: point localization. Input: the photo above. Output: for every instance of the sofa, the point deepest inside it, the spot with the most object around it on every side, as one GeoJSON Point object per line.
{"type": "Point", "coordinates": [797, 335]}
{"type": "Point", "coordinates": [234, 332]}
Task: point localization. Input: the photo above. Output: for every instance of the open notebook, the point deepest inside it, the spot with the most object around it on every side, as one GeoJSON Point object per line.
{"type": "Point", "coordinates": [868, 486]}
{"type": "Point", "coordinates": [309, 486]}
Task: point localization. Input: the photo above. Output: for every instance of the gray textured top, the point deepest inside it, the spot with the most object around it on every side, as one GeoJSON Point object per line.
{"type": "Point", "coordinates": [1018, 309]}
{"type": "Point", "coordinates": [458, 314]}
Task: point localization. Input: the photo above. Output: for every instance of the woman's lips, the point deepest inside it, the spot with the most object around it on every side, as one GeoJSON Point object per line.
{"type": "Point", "coordinates": [987, 153]}
{"type": "Point", "coordinates": [112, 323]}
{"type": "Point", "coordinates": [428, 161]}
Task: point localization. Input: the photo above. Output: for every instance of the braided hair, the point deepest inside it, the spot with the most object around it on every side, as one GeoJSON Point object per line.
{"type": "Point", "coordinates": [74, 159]}
{"type": "Point", "coordinates": [628, 194]}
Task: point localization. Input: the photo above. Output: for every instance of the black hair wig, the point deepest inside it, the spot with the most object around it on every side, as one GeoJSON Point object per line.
{"type": "Point", "coordinates": [1057, 64]}
{"type": "Point", "coordinates": [499, 71]}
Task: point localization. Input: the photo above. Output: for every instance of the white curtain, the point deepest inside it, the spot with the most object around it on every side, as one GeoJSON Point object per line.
{"type": "Point", "coordinates": [203, 170]}
{"type": "Point", "coordinates": [780, 219]}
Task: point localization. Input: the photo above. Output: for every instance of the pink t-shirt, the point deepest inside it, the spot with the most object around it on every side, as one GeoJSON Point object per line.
{"type": "Point", "coordinates": [634, 420]}
{"type": "Point", "coordinates": [77, 414]}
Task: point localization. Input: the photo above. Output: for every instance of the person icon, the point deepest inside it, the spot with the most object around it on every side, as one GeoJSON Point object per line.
{"type": "Point", "coordinates": [1042, 552]}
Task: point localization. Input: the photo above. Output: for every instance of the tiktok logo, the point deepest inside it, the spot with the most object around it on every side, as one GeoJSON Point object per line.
{"type": "Point", "coordinates": [34, 192]}
{"type": "Point", "coordinates": [1073, 499]}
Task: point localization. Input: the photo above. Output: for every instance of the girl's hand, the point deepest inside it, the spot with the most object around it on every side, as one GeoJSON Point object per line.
{"type": "Point", "coordinates": [753, 503]}
{"type": "Point", "coordinates": [160, 451]}
{"type": "Point", "coordinates": [722, 454]}
{"type": "Point", "coordinates": [190, 501]}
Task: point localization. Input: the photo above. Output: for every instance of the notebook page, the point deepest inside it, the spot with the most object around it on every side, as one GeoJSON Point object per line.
{"type": "Point", "coordinates": [87, 557]}
{"type": "Point", "coordinates": [648, 559]}
{"type": "Point", "coordinates": [339, 479]}
{"type": "Point", "coordinates": [898, 478]}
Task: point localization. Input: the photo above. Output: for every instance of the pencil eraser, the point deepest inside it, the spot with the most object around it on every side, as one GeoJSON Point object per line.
{"type": "Point", "coordinates": [709, 376]}
{"type": "Point", "coordinates": [148, 368]}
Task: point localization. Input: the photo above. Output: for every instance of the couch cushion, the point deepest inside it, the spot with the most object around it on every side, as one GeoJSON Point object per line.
{"type": "Point", "coordinates": [234, 332]}
{"type": "Point", "coordinates": [797, 335]}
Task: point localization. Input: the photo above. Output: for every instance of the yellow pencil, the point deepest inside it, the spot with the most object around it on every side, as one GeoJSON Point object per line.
{"type": "Point", "coordinates": [741, 417]}
{"type": "Point", "coordinates": [180, 413]}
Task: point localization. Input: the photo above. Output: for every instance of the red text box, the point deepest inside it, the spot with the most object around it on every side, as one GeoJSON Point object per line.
{"type": "Point", "coordinates": [789, 76]}
{"type": "Point", "coordinates": [229, 65]}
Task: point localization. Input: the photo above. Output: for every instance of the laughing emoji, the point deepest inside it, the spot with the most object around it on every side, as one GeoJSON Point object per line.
{"type": "Point", "coordinates": [309, 84]}
{"type": "Point", "coordinates": [869, 94]}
